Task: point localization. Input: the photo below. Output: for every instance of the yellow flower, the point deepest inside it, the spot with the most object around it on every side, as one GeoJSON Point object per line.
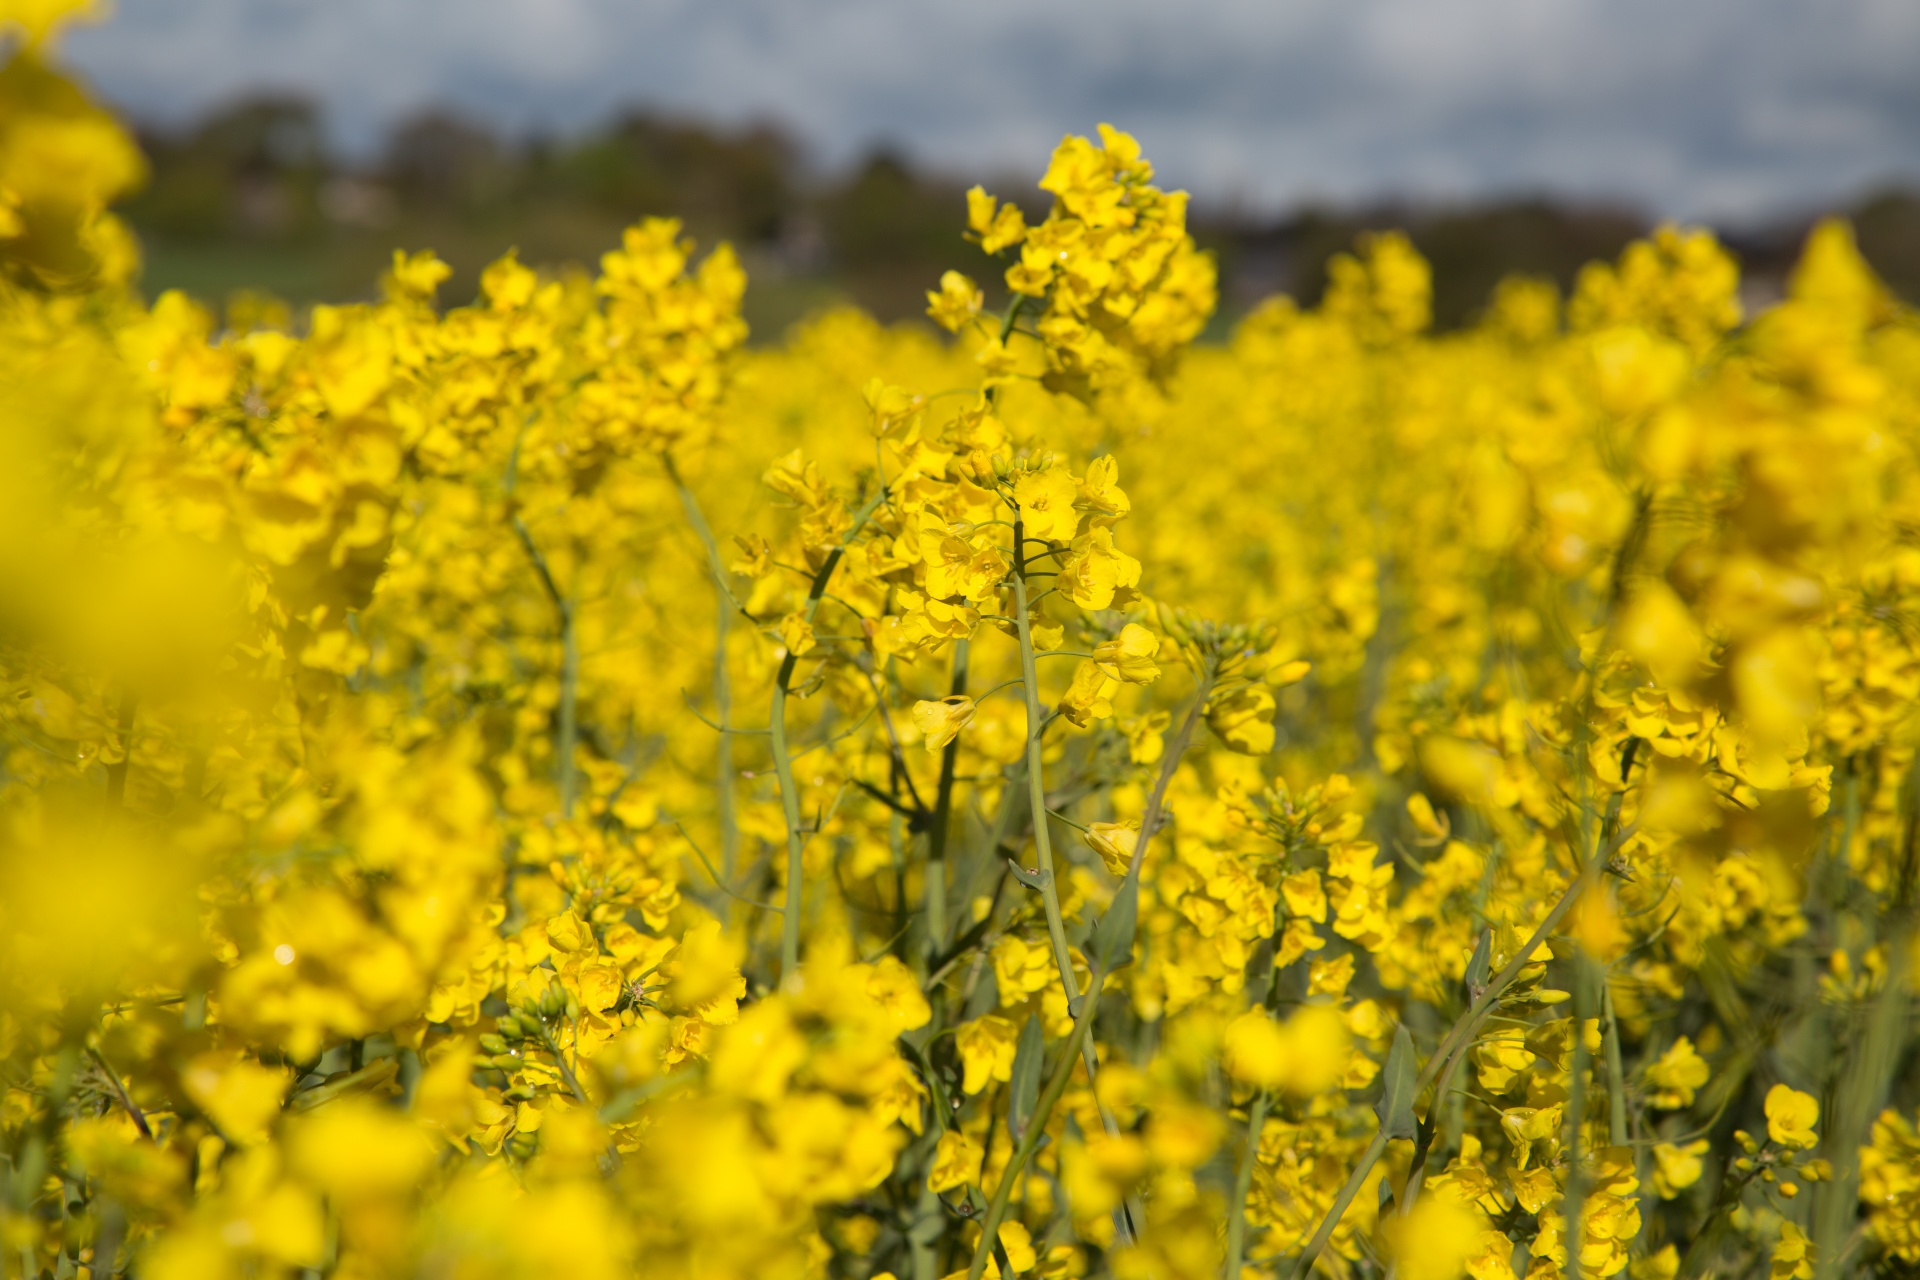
{"type": "Point", "coordinates": [1146, 742]}
{"type": "Point", "coordinates": [796, 635]}
{"type": "Point", "coordinates": [417, 276]}
{"type": "Point", "coordinates": [986, 1047]}
{"type": "Point", "coordinates": [1679, 1072]}
{"type": "Point", "coordinates": [1018, 1242]}
{"type": "Point", "coordinates": [957, 301]}
{"type": "Point", "coordinates": [1114, 842]}
{"type": "Point", "coordinates": [1890, 1184]}
{"type": "Point", "coordinates": [1305, 1055]}
{"type": "Point", "coordinates": [1088, 697]}
{"type": "Point", "coordinates": [759, 1053]}
{"type": "Point", "coordinates": [1431, 826]}
{"type": "Point", "coordinates": [941, 722]}
{"type": "Point", "coordinates": [1675, 1168]}
{"type": "Point", "coordinates": [1243, 719]}
{"type": "Point", "coordinates": [1256, 1050]}
{"type": "Point", "coordinates": [1662, 1264]}
{"type": "Point", "coordinates": [1792, 1257]}
{"type": "Point", "coordinates": [897, 992]}
{"type": "Point", "coordinates": [1130, 655]}
{"type": "Point", "coordinates": [998, 226]}
{"type": "Point", "coordinates": [357, 1150]}
{"type": "Point", "coordinates": [892, 406]}
{"type": "Point", "coordinates": [1791, 1116]}
{"type": "Point", "coordinates": [1097, 575]}
{"type": "Point", "coordinates": [1435, 1239]}
{"type": "Point", "coordinates": [1046, 497]}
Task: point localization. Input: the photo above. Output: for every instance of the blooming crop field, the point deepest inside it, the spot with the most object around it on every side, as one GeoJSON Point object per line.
{"type": "Point", "coordinates": [534, 788]}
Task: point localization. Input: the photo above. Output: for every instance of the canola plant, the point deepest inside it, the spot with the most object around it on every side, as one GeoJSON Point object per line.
{"type": "Point", "coordinates": [536, 788]}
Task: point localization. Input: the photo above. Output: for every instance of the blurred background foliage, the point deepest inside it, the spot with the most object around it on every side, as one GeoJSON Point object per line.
{"type": "Point", "coordinates": [253, 195]}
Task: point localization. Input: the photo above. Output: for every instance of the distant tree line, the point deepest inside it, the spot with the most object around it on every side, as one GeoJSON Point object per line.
{"type": "Point", "coordinates": [255, 191]}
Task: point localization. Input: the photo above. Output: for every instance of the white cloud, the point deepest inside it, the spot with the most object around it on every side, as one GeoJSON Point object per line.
{"type": "Point", "coordinates": [1712, 107]}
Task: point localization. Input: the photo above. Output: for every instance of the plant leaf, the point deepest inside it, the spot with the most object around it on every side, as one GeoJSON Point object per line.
{"type": "Point", "coordinates": [1024, 1088]}
{"type": "Point", "coordinates": [1112, 936]}
{"type": "Point", "coordinates": [1396, 1090]}
{"type": "Point", "coordinates": [1480, 967]}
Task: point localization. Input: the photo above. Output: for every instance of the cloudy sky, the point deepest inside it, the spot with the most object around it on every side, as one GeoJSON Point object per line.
{"type": "Point", "coordinates": [1729, 109]}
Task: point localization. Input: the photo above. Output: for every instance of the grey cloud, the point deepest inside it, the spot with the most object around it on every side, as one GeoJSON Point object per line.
{"type": "Point", "coordinates": [1716, 108]}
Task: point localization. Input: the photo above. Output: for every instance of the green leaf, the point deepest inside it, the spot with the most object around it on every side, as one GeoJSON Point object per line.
{"type": "Point", "coordinates": [1112, 936]}
{"type": "Point", "coordinates": [1480, 967]}
{"type": "Point", "coordinates": [1396, 1090]}
{"type": "Point", "coordinates": [1025, 1085]}
{"type": "Point", "coordinates": [1031, 879]}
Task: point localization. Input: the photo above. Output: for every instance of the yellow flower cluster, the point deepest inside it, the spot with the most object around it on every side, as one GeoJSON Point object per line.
{"type": "Point", "coordinates": [1350, 798]}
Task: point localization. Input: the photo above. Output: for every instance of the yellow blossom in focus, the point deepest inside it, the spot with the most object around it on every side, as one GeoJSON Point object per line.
{"type": "Point", "coordinates": [1791, 1116]}
{"type": "Point", "coordinates": [941, 722]}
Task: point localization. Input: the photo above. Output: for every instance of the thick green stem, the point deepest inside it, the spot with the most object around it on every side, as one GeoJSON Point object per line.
{"type": "Point", "coordinates": [783, 762]}
{"type": "Point", "coordinates": [725, 803]}
{"type": "Point", "coordinates": [1242, 1185]}
{"type": "Point", "coordinates": [938, 835]}
{"type": "Point", "coordinates": [1036, 1130]}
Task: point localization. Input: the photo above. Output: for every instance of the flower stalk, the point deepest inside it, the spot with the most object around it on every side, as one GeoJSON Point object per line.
{"type": "Point", "coordinates": [783, 762]}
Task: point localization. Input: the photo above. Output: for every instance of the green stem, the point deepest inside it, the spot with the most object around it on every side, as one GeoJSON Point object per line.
{"type": "Point", "coordinates": [724, 798]}
{"type": "Point", "coordinates": [1043, 838]}
{"type": "Point", "coordinates": [1036, 1129]}
{"type": "Point", "coordinates": [937, 836]}
{"type": "Point", "coordinates": [783, 765]}
{"type": "Point", "coordinates": [566, 1072]}
{"type": "Point", "coordinates": [1457, 1039]}
{"type": "Point", "coordinates": [1429, 1132]}
{"type": "Point", "coordinates": [1156, 802]}
{"type": "Point", "coordinates": [1242, 1184]}
{"type": "Point", "coordinates": [120, 1091]}
{"type": "Point", "coordinates": [1036, 782]}
{"type": "Point", "coordinates": [1338, 1209]}
{"type": "Point", "coordinates": [1616, 1071]}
